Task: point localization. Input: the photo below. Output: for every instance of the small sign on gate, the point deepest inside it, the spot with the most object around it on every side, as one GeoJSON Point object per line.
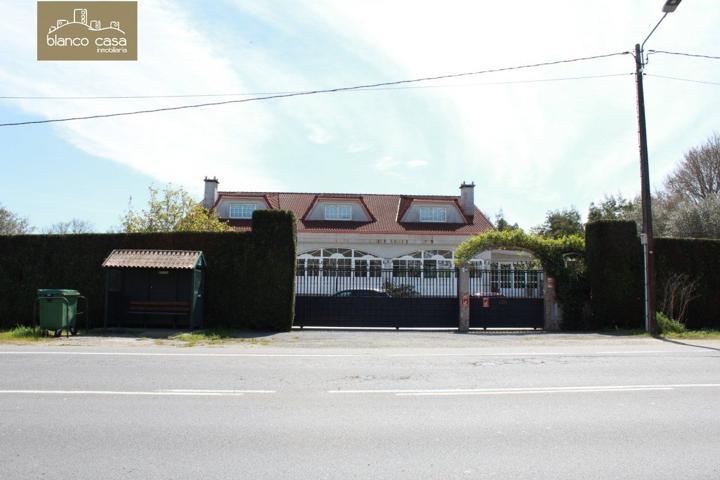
{"type": "Point", "coordinates": [486, 302]}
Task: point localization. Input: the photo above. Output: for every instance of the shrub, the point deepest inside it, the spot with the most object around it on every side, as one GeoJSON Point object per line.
{"type": "Point", "coordinates": [697, 259]}
{"type": "Point", "coordinates": [23, 331]}
{"type": "Point", "coordinates": [677, 293]}
{"type": "Point", "coordinates": [668, 325]}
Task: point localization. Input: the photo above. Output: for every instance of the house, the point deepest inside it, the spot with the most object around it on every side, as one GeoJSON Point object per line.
{"type": "Point", "coordinates": [369, 233]}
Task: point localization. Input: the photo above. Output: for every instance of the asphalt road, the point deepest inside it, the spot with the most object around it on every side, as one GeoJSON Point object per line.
{"type": "Point", "coordinates": [501, 408]}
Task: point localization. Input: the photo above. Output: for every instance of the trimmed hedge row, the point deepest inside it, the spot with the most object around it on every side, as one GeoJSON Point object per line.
{"type": "Point", "coordinates": [700, 260]}
{"type": "Point", "coordinates": [249, 280]}
{"type": "Point", "coordinates": [614, 271]}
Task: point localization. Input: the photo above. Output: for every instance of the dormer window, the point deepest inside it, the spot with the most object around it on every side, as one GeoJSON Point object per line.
{"type": "Point", "coordinates": [433, 214]}
{"type": "Point", "coordinates": [242, 210]}
{"type": "Point", "coordinates": [338, 212]}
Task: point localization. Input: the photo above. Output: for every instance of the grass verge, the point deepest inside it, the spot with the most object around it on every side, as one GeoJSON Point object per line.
{"type": "Point", "coordinates": [670, 328]}
{"type": "Point", "coordinates": [694, 334]}
{"type": "Point", "coordinates": [212, 337]}
{"type": "Point", "coordinates": [20, 334]}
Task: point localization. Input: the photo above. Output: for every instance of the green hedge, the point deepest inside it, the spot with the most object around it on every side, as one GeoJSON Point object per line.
{"type": "Point", "coordinates": [273, 265]}
{"type": "Point", "coordinates": [700, 260]}
{"type": "Point", "coordinates": [249, 278]}
{"type": "Point", "coordinates": [614, 270]}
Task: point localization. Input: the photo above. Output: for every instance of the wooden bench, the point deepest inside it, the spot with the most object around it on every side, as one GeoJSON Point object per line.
{"type": "Point", "coordinates": [156, 307]}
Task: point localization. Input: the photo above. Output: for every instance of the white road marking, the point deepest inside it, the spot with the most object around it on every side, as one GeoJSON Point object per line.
{"type": "Point", "coordinates": [525, 392]}
{"type": "Point", "coordinates": [177, 354]}
{"type": "Point", "coordinates": [366, 354]}
{"type": "Point", "coordinates": [220, 391]}
{"type": "Point", "coordinates": [518, 390]}
{"type": "Point", "coordinates": [537, 354]}
{"type": "Point", "coordinates": [185, 392]}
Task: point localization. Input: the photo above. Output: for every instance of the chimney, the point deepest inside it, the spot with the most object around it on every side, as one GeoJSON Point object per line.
{"type": "Point", "coordinates": [467, 198]}
{"type": "Point", "coordinates": [211, 192]}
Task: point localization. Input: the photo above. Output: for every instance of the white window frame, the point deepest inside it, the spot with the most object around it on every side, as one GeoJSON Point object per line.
{"type": "Point", "coordinates": [322, 262]}
{"type": "Point", "coordinates": [338, 211]}
{"type": "Point", "coordinates": [244, 213]}
{"type": "Point", "coordinates": [433, 214]}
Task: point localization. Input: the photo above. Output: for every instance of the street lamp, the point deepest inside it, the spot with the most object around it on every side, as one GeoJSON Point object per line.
{"type": "Point", "coordinates": [647, 230]}
{"type": "Point", "coordinates": [671, 5]}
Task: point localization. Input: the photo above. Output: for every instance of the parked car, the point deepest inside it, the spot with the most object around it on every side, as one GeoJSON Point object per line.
{"type": "Point", "coordinates": [362, 293]}
{"type": "Point", "coordinates": [488, 294]}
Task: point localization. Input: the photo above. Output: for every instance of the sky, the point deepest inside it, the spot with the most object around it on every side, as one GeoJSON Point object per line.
{"type": "Point", "coordinates": [532, 140]}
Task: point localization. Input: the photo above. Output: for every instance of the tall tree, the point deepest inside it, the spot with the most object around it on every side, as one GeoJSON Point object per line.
{"type": "Point", "coordinates": [698, 175]}
{"type": "Point", "coordinates": [686, 207]}
{"type": "Point", "coordinates": [171, 210]}
{"type": "Point", "coordinates": [12, 224]}
{"type": "Point", "coordinates": [610, 208]}
{"type": "Point", "coordinates": [501, 224]}
{"type": "Point", "coordinates": [70, 227]}
{"type": "Point", "coordinates": [696, 219]}
{"type": "Point", "coordinates": [560, 223]}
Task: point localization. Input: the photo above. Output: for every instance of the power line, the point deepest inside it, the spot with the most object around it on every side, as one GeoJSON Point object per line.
{"type": "Point", "coordinates": [196, 95]}
{"type": "Point", "coordinates": [704, 82]}
{"type": "Point", "coordinates": [137, 97]}
{"type": "Point", "coordinates": [696, 55]}
{"type": "Point", "coordinates": [314, 92]}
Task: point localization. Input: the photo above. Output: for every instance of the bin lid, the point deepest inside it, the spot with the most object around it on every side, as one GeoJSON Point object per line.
{"type": "Point", "coordinates": [57, 292]}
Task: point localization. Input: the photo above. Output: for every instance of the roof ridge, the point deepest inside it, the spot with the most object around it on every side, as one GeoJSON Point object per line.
{"type": "Point", "coordinates": [345, 194]}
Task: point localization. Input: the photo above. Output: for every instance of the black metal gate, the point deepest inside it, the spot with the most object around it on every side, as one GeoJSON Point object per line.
{"type": "Point", "coordinates": [377, 298]}
{"type": "Point", "coordinates": [506, 298]}
{"type": "Point", "coordinates": [417, 298]}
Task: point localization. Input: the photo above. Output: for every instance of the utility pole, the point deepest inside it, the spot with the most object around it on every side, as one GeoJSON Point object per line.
{"type": "Point", "coordinates": [646, 199]}
{"type": "Point", "coordinates": [647, 238]}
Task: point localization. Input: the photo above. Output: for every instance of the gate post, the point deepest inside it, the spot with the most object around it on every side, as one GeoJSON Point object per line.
{"type": "Point", "coordinates": [463, 291]}
{"type": "Point", "coordinates": [553, 314]}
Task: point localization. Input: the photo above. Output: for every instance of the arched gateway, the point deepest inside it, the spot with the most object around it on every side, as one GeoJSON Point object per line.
{"type": "Point", "coordinates": [533, 290]}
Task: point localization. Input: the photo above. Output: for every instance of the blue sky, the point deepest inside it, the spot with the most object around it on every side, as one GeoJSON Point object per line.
{"type": "Point", "coordinates": [529, 142]}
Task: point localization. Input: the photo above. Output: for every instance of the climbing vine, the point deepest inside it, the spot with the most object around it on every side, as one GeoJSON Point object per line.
{"type": "Point", "coordinates": [550, 252]}
{"type": "Point", "coordinates": [553, 253]}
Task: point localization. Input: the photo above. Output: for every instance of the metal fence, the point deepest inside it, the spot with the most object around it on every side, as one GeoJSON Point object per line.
{"type": "Point", "coordinates": [399, 282]}
{"type": "Point", "coordinates": [507, 282]}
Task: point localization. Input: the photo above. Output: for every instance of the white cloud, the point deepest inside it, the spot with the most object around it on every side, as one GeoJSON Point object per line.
{"type": "Point", "coordinates": [319, 135]}
{"type": "Point", "coordinates": [537, 146]}
{"type": "Point", "coordinates": [391, 166]}
{"type": "Point", "coordinates": [386, 164]}
{"type": "Point", "coordinates": [357, 147]}
{"type": "Point", "coordinates": [174, 58]}
{"type": "Point", "coordinates": [416, 163]}
{"type": "Point", "coordinates": [529, 147]}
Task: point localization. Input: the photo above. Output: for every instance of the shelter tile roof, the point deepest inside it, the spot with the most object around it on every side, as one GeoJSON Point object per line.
{"type": "Point", "coordinates": [163, 259]}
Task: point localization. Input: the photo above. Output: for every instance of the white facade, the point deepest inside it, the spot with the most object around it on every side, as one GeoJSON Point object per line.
{"type": "Point", "coordinates": [333, 262]}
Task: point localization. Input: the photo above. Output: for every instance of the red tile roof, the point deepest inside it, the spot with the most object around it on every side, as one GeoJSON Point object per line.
{"type": "Point", "coordinates": [385, 213]}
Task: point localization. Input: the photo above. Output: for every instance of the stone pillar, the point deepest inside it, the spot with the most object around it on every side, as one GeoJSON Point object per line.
{"type": "Point", "coordinates": [553, 313]}
{"type": "Point", "coordinates": [463, 291]}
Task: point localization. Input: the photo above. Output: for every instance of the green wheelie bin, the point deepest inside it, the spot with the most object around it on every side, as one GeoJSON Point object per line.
{"type": "Point", "coordinates": [58, 310]}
